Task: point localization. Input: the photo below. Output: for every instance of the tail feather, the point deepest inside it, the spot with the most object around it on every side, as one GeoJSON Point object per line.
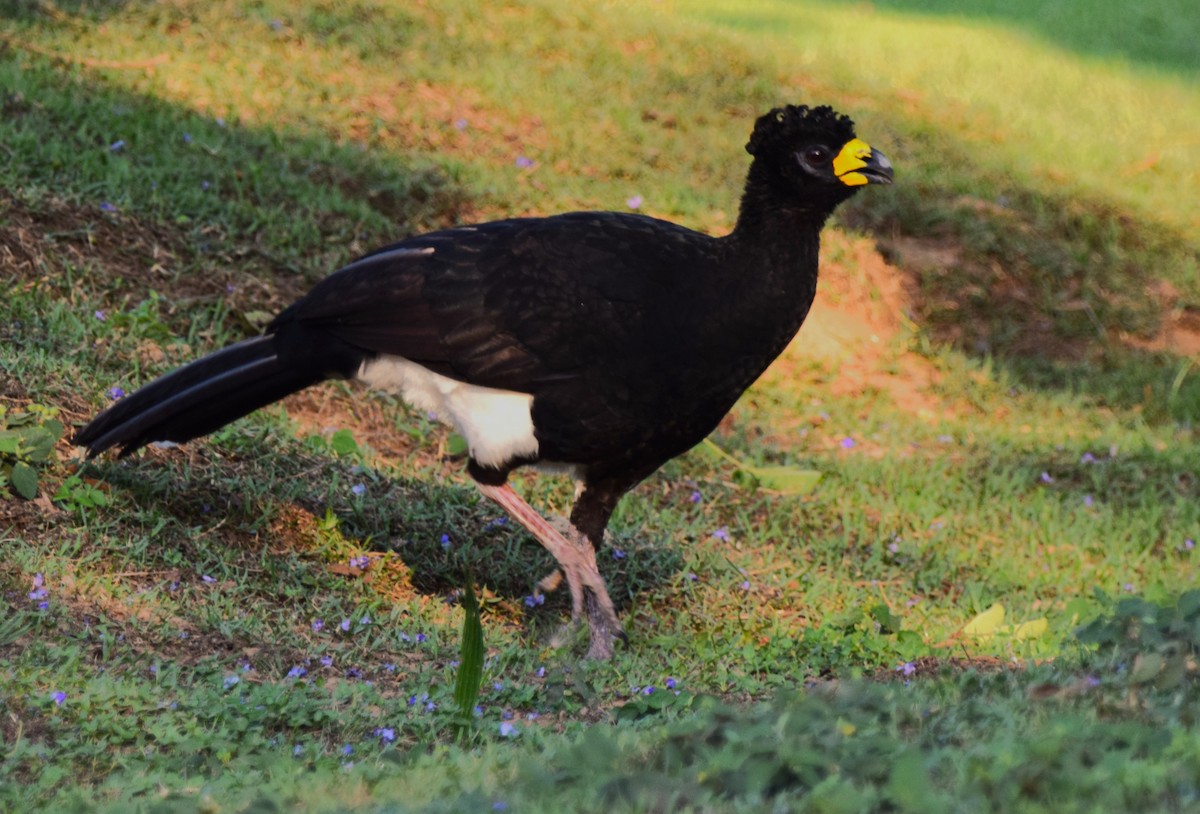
{"type": "Point", "coordinates": [209, 393]}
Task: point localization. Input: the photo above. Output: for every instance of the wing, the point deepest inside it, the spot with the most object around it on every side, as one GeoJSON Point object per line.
{"type": "Point", "coordinates": [513, 304]}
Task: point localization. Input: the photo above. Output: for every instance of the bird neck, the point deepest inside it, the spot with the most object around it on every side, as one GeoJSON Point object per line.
{"type": "Point", "coordinates": [779, 237]}
{"type": "Point", "coordinates": [771, 212]}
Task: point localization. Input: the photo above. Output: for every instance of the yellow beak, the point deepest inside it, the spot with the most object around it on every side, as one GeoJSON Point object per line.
{"type": "Point", "coordinates": [859, 164]}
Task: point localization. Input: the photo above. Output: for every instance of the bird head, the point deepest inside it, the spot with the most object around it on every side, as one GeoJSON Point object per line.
{"type": "Point", "coordinates": [812, 157]}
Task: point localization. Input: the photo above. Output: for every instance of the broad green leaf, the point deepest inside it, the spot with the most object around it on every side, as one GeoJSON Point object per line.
{"type": "Point", "coordinates": [1145, 667]}
{"type": "Point", "coordinates": [985, 624]}
{"type": "Point", "coordinates": [1030, 630]}
{"type": "Point", "coordinates": [39, 443]}
{"type": "Point", "coordinates": [791, 480]}
{"type": "Point", "coordinates": [456, 444]}
{"type": "Point", "coordinates": [24, 480]}
{"type": "Point", "coordinates": [10, 442]}
{"type": "Point", "coordinates": [342, 442]}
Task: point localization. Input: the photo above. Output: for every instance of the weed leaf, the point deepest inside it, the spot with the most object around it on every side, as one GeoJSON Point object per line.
{"type": "Point", "coordinates": [24, 480]}
{"type": "Point", "coordinates": [986, 624]}
{"type": "Point", "coordinates": [470, 660]}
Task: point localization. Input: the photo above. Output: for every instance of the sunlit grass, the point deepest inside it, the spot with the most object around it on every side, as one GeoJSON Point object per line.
{"type": "Point", "coordinates": [953, 479]}
{"type": "Point", "coordinates": [1046, 114]}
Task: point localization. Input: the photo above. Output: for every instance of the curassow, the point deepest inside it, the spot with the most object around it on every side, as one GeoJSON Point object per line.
{"type": "Point", "coordinates": [602, 343]}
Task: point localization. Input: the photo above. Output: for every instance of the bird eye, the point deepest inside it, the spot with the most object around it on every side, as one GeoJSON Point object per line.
{"type": "Point", "coordinates": [817, 155]}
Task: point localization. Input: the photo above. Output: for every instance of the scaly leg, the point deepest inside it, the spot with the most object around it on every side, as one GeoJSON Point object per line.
{"type": "Point", "coordinates": [576, 557]}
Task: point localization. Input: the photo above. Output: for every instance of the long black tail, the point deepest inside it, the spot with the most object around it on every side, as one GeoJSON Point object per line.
{"type": "Point", "coordinates": [208, 393]}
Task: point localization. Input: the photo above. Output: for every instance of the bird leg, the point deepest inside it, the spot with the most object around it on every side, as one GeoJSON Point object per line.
{"type": "Point", "coordinates": [576, 558]}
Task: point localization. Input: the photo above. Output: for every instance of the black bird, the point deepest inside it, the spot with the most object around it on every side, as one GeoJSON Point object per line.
{"type": "Point", "coordinates": [602, 343]}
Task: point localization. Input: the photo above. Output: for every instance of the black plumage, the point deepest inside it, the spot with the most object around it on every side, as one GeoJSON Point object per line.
{"type": "Point", "coordinates": [606, 342]}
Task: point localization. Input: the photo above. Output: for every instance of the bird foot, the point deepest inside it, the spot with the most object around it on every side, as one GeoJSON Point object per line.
{"type": "Point", "coordinates": [576, 558]}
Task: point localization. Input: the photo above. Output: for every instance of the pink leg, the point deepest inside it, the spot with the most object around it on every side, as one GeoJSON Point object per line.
{"type": "Point", "coordinates": [577, 559]}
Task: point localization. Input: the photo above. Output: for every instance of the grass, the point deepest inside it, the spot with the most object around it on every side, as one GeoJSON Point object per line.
{"type": "Point", "coordinates": [1005, 415]}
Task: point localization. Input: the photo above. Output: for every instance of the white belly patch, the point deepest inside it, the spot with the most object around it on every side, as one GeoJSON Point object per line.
{"type": "Point", "coordinates": [497, 424]}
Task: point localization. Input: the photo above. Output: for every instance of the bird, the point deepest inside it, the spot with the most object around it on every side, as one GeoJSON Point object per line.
{"type": "Point", "coordinates": [602, 344]}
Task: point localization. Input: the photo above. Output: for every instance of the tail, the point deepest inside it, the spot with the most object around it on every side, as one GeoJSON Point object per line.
{"type": "Point", "coordinates": [208, 393]}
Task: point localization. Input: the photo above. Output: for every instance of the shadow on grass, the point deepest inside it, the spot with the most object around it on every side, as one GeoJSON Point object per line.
{"type": "Point", "coordinates": [442, 533]}
{"type": "Point", "coordinates": [1064, 292]}
{"type": "Point", "coordinates": [274, 201]}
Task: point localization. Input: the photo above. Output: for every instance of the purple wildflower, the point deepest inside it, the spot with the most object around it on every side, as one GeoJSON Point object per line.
{"type": "Point", "coordinates": [1189, 544]}
{"type": "Point", "coordinates": [59, 697]}
{"type": "Point", "coordinates": [649, 690]}
{"type": "Point", "coordinates": [906, 669]}
{"type": "Point", "coordinates": [618, 554]}
{"type": "Point", "coordinates": [533, 600]}
{"type": "Point", "coordinates": [1088, 500]}
{"type": "Point", "coordinates": [231, 681]}
{"type": "Point", "coordinates": [507, 730]}
{"type": "Point", "coordinates": [358, 488]}
{"type": "Point", "coordinates": [721, 533]}
{"type": "Point", "coordinates": [847, 442]}
{"type": "Point", "coordinates": [366, 620]}
{"type": "Point", "coordinates": [100, 315]}
{"type": "Point", "coordinates": [208, 579]}
{"type": "Point", "coordinates": [326, 661]}
{"type": "Point", "coordinates": [745, 585]}
{"type": "Point", "coordinates": [461, 124]}
{"type": "Point", "coordinates": [670, 683]}
{"type": "Point", "coordinates": [524, 162]}
{"type": "Point", "coordinates": [1087, 458]}
{"type": "Point", "coordinates": [1128, 586]}
{"type": "Point", "coordinates": [634, 202]}
{"type": "Point", "coordinates": [695, 496]}
{"type": "Point", "coordinates": [445, 541]}
{"type": "Point", "coordinates": [385, 734]}
{"type": "Point", "coordinates": [1045, 478]}
{"type": "Point", "coordinates": [115, 393]}
{"type": "Point", "coordinates": [297, 672]}
{"type": "Point", "coordinates": [187, 138]}
{"type": "Point", "coordinates": [117, 146]}
{"type": "Point", "coordinates": [318, 625]}
{"type": "Point", "coordinates": [421, 637]}
{"type": "Point", "coordinates": [297, 750]}
{"type": "Point", "coordinates": [107, 206]}
{"type": "Point", "coordinates": [344, 626]}
{"type": "Point", "coordinates": [540, 672]}
{"type": "Point", "coordinates": [347, 750]}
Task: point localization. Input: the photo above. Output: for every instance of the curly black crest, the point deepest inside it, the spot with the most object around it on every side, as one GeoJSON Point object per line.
{"type": "Point", "coordinates": [793, 123]}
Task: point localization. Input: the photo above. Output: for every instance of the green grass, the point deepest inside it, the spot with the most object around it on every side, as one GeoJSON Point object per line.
{"type": "Point", "coordinates": [1019, 439]}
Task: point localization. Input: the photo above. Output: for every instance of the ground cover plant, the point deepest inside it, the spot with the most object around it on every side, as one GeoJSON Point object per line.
{"type": "Point", "coordinates": [984, 603]}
